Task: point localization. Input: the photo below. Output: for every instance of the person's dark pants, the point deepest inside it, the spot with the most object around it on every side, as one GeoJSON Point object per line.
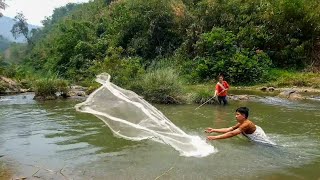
{"type": "Point", "coordinates": [223, 99]}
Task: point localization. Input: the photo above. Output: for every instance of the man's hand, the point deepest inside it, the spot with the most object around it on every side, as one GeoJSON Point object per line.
{"type": "Point", "coordinates": [209, 130]}
{"type": "Point", "coordinates": [211, 137]}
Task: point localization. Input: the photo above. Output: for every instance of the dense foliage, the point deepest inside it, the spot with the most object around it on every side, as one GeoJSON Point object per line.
{"type": "Point", "coordinates": [200, 39]}
{"type": "Point", "coordinates": [49, 87]}
{"type": "Point", "coordinates": [160, 86]}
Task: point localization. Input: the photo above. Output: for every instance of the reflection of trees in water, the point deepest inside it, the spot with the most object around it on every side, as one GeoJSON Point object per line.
{"type": "Point", "coordinates": [221, 117]}
{"type": "Point", "coordinates": [75, 127]}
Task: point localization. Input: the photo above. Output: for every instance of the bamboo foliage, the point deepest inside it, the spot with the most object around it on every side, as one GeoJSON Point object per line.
{"type": "Point", "coordinates": [3, 5]}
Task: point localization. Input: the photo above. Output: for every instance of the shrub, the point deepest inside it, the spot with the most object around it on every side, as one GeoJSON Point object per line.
{"type": "Point", "coordinates": [216, 42]}
{"type": "Point", "coordinates": [217, 53]}
{"type": "Point", "coordinates": [159, 86]}
{"type": "Point", "coordinates": [122, 70]}
{"type": "Point", "coordinates": [204, 95]}
{"type": "Point", "coordinates": [62, 86]}
{"type": "Point", "coordinates": [49, 87]}
{"type": "Point", "coordinates": [244, 68]}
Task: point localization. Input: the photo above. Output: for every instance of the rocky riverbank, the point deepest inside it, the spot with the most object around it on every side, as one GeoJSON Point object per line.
{"type": "Point", "coordinates": [9, 86]}
{"type": "Point", "coordinates": [291, 93]}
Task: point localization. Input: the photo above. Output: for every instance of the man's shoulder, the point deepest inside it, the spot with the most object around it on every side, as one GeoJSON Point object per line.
{"type": "Point", "coordinates": [245, 123]}
{"type": "Point", "coordinates": [249, 122]}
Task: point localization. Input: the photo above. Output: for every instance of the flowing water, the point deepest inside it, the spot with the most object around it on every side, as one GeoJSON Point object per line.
{"type": "Point", "coordinates": [130, 117]}
{"type": "Point", "coordinates": [51, 140]}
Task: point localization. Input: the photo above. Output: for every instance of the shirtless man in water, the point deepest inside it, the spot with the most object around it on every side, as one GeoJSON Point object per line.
{"type": "Point", "coordinates": [244, 126]}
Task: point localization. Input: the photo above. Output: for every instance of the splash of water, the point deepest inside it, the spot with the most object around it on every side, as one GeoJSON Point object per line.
{"type": "Point", "coordinates": [132, 118]}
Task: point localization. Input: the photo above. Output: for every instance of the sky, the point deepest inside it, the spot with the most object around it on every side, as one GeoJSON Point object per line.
{"type": "Point", "coordinates": [35, 10]}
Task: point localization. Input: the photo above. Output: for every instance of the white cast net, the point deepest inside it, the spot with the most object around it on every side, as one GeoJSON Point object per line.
{"type": "Point", "coordinates": [132, 118]}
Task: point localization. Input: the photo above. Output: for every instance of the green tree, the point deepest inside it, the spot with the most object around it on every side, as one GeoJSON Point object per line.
{"type": "Point", "coordinates": [3, 6]}
{"type": "Point", "coordinates": [58, 14]}
{"type": "Point", "coordinates": [149, 28]}
{"type": "Point", "coordinates": [199, 38]}
{"type": "Point", "coordinates": [21, 27]}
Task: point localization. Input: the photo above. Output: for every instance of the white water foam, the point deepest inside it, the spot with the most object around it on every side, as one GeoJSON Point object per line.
{"type": "Point", "coordinates": [132, 118]}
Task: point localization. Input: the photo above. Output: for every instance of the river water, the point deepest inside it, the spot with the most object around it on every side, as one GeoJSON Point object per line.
{"type": "Point", "coordinates": [50, 140]}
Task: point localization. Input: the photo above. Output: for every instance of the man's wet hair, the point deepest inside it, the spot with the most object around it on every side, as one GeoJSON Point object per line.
{"type": "Point", "coordinates": [244, 111]}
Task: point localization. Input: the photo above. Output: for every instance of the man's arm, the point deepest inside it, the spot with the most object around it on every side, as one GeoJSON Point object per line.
{"type": "Point", "coordinates": [225, 135]}
{"type": "Point", "coordinates": [223, 89]}
{"type": "Point", "coordinates": [227, 86]}
{"type": "Point", "coordinates": [221, 130]}
{"type": "Point", "coordinates": [215, 91]}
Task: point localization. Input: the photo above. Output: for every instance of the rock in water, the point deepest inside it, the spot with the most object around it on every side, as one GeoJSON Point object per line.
{"type": "Point", "coordinates": [291, 94]}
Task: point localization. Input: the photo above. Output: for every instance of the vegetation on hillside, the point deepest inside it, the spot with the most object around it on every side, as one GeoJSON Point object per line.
{"type": "Point", "coordinates": [4, 44]}
{"type": "Point", "coordinates": [198, 39]}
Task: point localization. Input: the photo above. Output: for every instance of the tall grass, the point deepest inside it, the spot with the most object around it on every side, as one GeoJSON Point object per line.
{"type": "Point", "coordinates": [203, 95]}
{"type": "Point", "coordinates": [160, 86]}
{"type": "Point", "coordinates": [46, 87]}
{"type": "Point", "coordinates": [283, 78]}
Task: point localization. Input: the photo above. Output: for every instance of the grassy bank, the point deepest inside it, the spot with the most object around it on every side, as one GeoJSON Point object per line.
{"type": "Point", "coordinates": [283, 78]}
{"type": "Point", "coordinates": [166, 86]}
{"type": "Point", "coordinates": [279, 79]}
{"type": "Point", "coordinates": [198, 93]}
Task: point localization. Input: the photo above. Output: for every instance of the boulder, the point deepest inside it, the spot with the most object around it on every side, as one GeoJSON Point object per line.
{"type": "Point", "coordinates": [73, 93]}
{"type": "Point", "coordinates": [243, 97]}
{"type": "Point", "coordinates": [78, 88]}
{"type": "Point", "coordinates": [271, 89]}
{"type": "Point", "coordinates": [263, 89]}
{"type": "Point", "coordinates": [296, 96]}
{"type": "Point", "coordinates": [9, 86]}
{"type": "Point", "coordinates": [25, 90]}
{"type": "Point", "coordinates": [291, 94]}
{"type": "Point", "coordinates": [239, 97]}
{"type": "Point", "coordinates": [76, 91]}
{"type": "Point", "coordinates": [286, 94]}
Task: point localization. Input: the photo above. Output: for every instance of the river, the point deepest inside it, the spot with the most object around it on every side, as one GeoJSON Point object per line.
{"type": "Point", "coordinates": [50, 140]}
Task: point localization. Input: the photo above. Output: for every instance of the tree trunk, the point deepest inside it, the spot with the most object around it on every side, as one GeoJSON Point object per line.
{"type": "Point", "coordinates": [315, 63]}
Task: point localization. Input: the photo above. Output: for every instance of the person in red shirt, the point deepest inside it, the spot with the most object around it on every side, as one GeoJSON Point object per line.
{"type": "Point", "coordinates": [221, 91]}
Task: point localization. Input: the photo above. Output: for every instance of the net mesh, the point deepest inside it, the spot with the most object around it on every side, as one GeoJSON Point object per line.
{"type": "Point", "coordinates": [130, 117]}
